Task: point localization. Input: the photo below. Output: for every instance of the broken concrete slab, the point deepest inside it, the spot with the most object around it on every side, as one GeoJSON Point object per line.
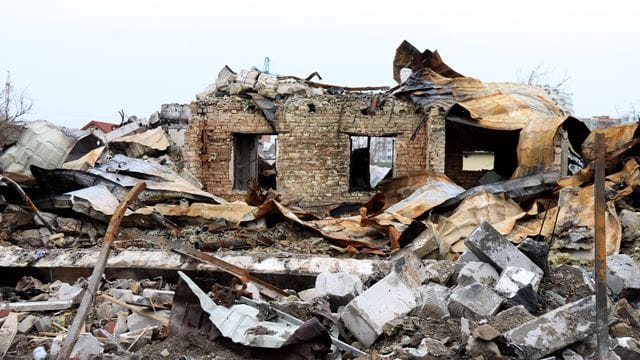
{"type": "Point", "coordinates": [513, 279]}
{"type": "Point", "coordinates": [480, 272]}
{"type": "Point", "coordinates": [630, 221]}
{"type": "Point", "coordinates": [483, 349]}
{"type": "Point", "coordinates": [485, 332]}
{"type": "Point", "coordinates": [27, 324]}
{"type": "Point", "coordinates": [537, 251]}
{"type": "Point", "coordinates": [510, 318]}
{"type": "Point", "coordinates": [440, 271]}
{"type": "Point", "coordinates": [490, 246]}
{"type": "Point", "coordinates": [623, 276]}
{"type": "Point", "coordinates": [43, 324]}
{"type": "Point", "coordinates": [466, 257]}
{"type": "Point", "coordinates": [158, 296]}
{"type": "Point", "coordinates": [474, 301]}
{"type": "Point", "coordinates": [554, 330]}
{"type": "Point", "coordinates": [627, 348]}
{"type": "Point", "coordinates": [87, 347]}
{"type": "Point", "coordinates": [340, 287]}
{"type": "Point", "coordinates": [434, 299]}
{"type": "Point", "coordinates": [389, 299]}
{"type": "Point", "coordinates": [136, 321]}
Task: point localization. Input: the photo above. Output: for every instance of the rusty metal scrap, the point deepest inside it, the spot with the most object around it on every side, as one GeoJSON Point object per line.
{"type": "Point", "coordinates": [618, 140]}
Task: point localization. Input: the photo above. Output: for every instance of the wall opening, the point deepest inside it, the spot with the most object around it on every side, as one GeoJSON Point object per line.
{"type": "Point", "coordinates": [475, 155]}
{"type": "Point", "coordinates": [254, 157]}
{"type": "Point", "coordinates": [371, 161]}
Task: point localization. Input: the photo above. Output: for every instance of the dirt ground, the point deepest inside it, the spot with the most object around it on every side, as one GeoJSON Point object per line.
{"type": "Point", "coordinates": [563, 285]}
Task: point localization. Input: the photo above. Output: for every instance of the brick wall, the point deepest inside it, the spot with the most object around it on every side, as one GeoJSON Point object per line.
{"type": "Point", "coordinates": [313, 142]}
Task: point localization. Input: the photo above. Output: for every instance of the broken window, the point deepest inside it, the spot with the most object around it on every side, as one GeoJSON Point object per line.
{"type": "Point", "coordinates": [371, 161]}
{"type": "Point", "coordinates": [254, 158]}
{"type": "Point", "coordinates": [477, 160]}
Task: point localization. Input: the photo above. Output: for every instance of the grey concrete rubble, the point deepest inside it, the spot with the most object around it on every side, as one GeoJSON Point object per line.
{"type": "Point", "coordinates": [87, 347]}
{"type": "Point", "coordinates": [537, 251]}
{"type": "Point", "coordinates": [554, 330]}
{"type": "Point", "coordinates": [510, 318]}
{"type": "Point", "coordinates": [466, 257]}
{"type": "Point", "coordinates": [434, 298]}
{"type": "Point", "coordinates": [485, 332]}
{"type": "Point", "coordinates": [623, 276]}
{"type": "Point", "coordinates": [477, 271]}
{"type": "Point", "coordinates": [474, 301]}
{"type": "Point", "coordinates": [513, 279]}
{"type": "Point", "coordinates": [490, 246]}
{"type": "Point", "coordinates": [390, 298]}
{"type": "Point", "coordinates": [339, 287]}
{"type": "Point", "coordinates": [440, 271]}
{"type": "Point", "coordinates": [627, 348]}
{"type": "Point", "coordinates": [630, 221]}
{"type": "Point", "coordinates": [568, 354]}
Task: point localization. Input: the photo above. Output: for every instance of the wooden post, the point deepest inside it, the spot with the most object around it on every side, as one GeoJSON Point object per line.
{"type": "Point", "coordinates": [600, 263]}
{"type": "Point", "coordinates": [98, 270]}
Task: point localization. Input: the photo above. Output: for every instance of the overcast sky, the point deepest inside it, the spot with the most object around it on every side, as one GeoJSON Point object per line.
{"type": "Point", "coordinates": [83, 60]}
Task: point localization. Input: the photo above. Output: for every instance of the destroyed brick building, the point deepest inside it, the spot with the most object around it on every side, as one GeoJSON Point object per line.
{"type": "Point", "coordinates": [437, 121]}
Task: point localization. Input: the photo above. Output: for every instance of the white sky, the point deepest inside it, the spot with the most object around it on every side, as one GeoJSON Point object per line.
{"type": "Point", "coordinates": [83, 60]}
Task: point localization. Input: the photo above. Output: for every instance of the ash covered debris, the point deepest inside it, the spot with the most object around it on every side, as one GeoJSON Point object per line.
{"type": "Point", "coordinates": [281, 217]}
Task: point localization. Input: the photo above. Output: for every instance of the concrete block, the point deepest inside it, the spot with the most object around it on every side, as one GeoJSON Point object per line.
{"type": "Point", "coordinates": [511, 318]}
{"type": "Point", "coordinates": [434, 299]}
{"type": "Point", "coordinates": [27, 324]}
{"type": "Point", "coordinates": [87, 347]}
{"type": "Point", "coordinates": [537, 251]}
{"type": "Point", "coordinates": [136, 321]}
{"type": "Point", "coordinates": [474, 301]}
{"type": "Point", "coordinates": [43, 324]}
{"type": "Point", "coordinates": [440, 271]}
{"type": "Point", "coordinates": [389, 299]}
{"type": "Point", "coordinates": [490, 246]}
{"type": "Point", "coordinates": [425, 243]}
{"type": "Point", "coordinates": [340, 287]}
{"type": "Point", "coordinates": [480, 272]}
{"type": "Point", "coordinates": [514, 279]}
{"type": "Point", "coordinates": [466, 257]}
{"type": "Point", "coordinates": [554, 330]}
{"type": "Point", "coordinates": [623, 276]}
{"type": "Point", "coordinates": [158, 296]}
{"type": "Point", "coordinates": [627, 348]}
{"type": "Point", "coordinates": [123, 295]}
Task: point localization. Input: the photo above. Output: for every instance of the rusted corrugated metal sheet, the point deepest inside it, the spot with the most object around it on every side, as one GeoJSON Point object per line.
{"type": "Point", "coordinates": [617, 139]}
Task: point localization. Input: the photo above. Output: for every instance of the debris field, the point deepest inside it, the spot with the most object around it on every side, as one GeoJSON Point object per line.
{"type": "Point", "coordinates": [279, 217]}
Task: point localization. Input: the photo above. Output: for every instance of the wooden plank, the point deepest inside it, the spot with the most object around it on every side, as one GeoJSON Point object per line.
{"type": "Point", "coordinates": [600, 249]}
{"type": "Point", "coordinates": [8, 332]}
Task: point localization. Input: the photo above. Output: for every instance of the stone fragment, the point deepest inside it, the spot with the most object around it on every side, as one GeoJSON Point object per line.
{"type": "Point", "coordinates": [125, 295]}
{"type": "Point", "coordinates": [158, 296]}
{"type": "Point", "coordinates": [434, 301]}
{"type": "Point", "coordinates": [474, 301]}
{"type": "Point", "coordinates": [568, 354]}
{"type": "Point", "coordinates": [623, 276]}
{"type": "Point", "coordinates": [136, 321]}
{"type": "Point", "coordinates": [630, 221]}
{"type": "Point", "coordinates": [627, 348]}
{"type": "Point", "coordinates": [625, 312]}
{"type": "Point", "coordinates": [67, 292]}
{"type": "Point", "coordinates": [340, 287]}
{"type": "Point", "coordinates": [554, 330]}
{"type": "Point", "coordinates": [389, 299]}
{"type": "Point", "coordinates": [440, 271]}
{"type": "Point", "coordinates": [510, 318]}
{"type": "Point", "coordinates": [513, 279]}
{"type": "Point", "coordinates": [480, 272]}
{"type": "Point", "coordinates": [104, 311]}
{"type": "Point", "coordinates": [87, 347]}
{"type": "Point", "coordinates": [537, 251]}
{"type": "Point", "coordinates": [490, 246]}
{"type": "Point", "coordinates": [164, 352]}
{"type": "Point", "coordinates": [121, 322]}
{"type": "Point", "coordinates": [466, 257]}
{"type": "Point", "coordinates": [43, 324]}
{"type": "Point", "coordinates": [620, 329]}
{"type": "Point", "coordinates": [429, 349]}
{"type": "Point", "coordinates": [27, 324]}
{"type": "Point", "coordinates": [425, 243]}
{"type": "Point", "coordinates": [485, 332]}
{"type": "Point", "coordinates": [484, 349]}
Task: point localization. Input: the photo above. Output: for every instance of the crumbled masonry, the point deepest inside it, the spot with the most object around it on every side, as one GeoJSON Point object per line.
{"type": "Point", "coordinates": [286, 218]}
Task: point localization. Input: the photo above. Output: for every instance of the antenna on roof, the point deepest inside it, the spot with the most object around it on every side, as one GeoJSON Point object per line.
{"type": "Point", "coordinates": [265, 68]}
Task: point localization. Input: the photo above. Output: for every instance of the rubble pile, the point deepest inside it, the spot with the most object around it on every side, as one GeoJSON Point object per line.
{"type": "Point", "coordinates": [425, 269]}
